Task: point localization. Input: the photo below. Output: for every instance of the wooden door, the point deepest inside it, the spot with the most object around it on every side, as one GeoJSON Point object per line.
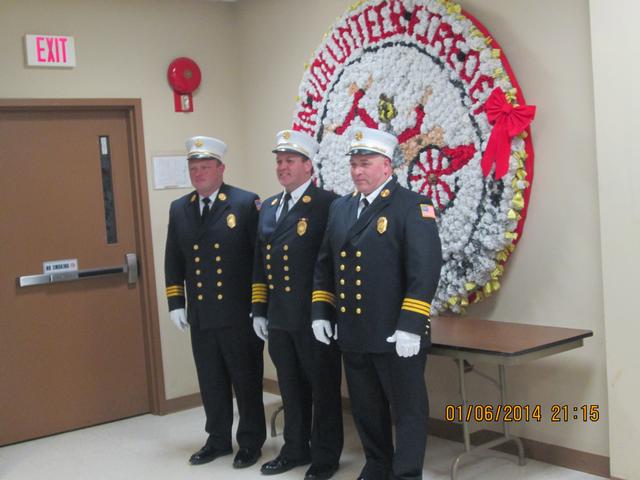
{"type": "Point", "coordinates": [72, 354]}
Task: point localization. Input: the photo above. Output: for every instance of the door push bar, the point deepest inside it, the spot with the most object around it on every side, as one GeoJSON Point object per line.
{"type": "Point", "coordinates": [130, 268]}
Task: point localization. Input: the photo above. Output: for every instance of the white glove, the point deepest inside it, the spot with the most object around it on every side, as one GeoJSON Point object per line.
{"type": "Point", "coordinates": [407, 344]}
{"type": "Point", "coordinates": [260, 327]}
{"type": "Point", "coordinates": [179, 318]}
{"type": "Point", "coordinates": [322, 331]}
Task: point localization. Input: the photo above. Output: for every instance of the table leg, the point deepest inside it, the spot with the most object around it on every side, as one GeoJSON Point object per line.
{"type": "Point", "coordinates": [505, 426]}
{"type": "Point", "coordinates": [465, 426]}
{"type": "Point", "coordinates": [274, 415]}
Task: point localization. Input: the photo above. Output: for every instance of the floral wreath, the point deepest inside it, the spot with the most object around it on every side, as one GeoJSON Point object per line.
{"type": "Point", "coordinates": [428, 72]}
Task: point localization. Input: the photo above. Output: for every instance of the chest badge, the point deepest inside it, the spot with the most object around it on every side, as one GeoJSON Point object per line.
{"type": "Point", "coordinates": [231, 220]}
{"type": "Point", "coordinates": [381, 225]}
{"type": "Point", "coordinates": [302, 226]}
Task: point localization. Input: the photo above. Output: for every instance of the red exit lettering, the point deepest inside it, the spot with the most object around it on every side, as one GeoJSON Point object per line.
{"type": "Point", "coordinates": [51, 49]}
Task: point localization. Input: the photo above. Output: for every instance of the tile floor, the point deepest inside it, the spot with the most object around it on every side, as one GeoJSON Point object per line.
{"type": "Point", "coordinates": [153, 447]}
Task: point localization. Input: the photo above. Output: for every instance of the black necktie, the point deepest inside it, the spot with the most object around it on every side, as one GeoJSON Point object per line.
{"type": "Point", "coordinates": [365, 204]}
{"type": "Point", "coordinates": [205, 210]}
{"type": "Point", "coordinates": [285, 207]}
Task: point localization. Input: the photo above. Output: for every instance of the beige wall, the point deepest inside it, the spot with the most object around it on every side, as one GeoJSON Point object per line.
{"type": "Point", "coordinates": [252, 55]}
{"type": "Point", "coordinates": [616, 48]}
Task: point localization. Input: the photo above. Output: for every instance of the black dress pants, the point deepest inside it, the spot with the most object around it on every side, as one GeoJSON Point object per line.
{"type": "Point", "coordinates": [225, 358]}
{"type": "Point", "coordinates": [382, 387]}
{"type": "Point", "coordinates": [309, 376]}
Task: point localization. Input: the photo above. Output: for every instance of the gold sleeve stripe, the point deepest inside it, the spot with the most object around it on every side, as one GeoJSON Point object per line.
{"type": "Point", "coordinates": [169, 295]}
{"type": "Point", "coordinates": [415, 310]}
{"type": "Point", "coordinates": [259, 293]}
{"type": "Point", "coordinates": [417, 306]}
{"type": "Point", "coordinates": [323, 296]}
{"type": "Point", "coordinates": [416, 303]}
{"type": "Point", "coordinates": [326, 300]}
{"type": "Point", "coordinates": [323, 293]}
{"type": "Point", "coordinates": [175, 290]}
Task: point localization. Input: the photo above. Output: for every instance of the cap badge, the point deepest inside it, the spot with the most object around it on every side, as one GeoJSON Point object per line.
{"type": "Point", "coordinates": [302, 226]}
{"type": "Point", "coordinates": [231, 220]}
{"type": "Point", "coordinates": [306, 199]}
{"type": "Point", "coordinates": [385, 193]}
{"type": "Point", "coordinates": [198, 143]}
{"type": "Point", "coordinates": [286, 135]}
{"type": "Point", "coordinates": [222, 197]}
{"type": "Point", "coordinates": [381, 225]}
{"type": "Point", "coordinates": [358, 135]}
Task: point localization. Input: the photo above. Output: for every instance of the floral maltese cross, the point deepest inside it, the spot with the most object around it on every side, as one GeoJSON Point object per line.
{"type": "Point", "coordinates": [429, 159]}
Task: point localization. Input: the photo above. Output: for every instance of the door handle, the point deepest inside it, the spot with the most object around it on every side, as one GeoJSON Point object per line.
{"type": "Point", "coordinates": [130, 268]}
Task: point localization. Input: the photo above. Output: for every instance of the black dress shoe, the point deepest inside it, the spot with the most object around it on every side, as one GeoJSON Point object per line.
{"type": "Point", "coordinates": [207, 454]}
{"type": "Point", "coordinates": [320, 472]}
{"type": "Point", "coordinates": [246, 457]}
{"type": "Point", "coordinates": [281, 465]}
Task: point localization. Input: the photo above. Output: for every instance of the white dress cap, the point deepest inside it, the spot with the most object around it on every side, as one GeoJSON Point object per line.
{"type": "Point", "coordinates": [366, 141]}
{"type": "Point", "coordinates": [294, 141]}
{"type": "Point", "coordinates": [205, 147]}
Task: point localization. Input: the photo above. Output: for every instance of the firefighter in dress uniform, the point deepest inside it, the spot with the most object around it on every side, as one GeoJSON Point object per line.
{"type": "Point", "coordinates": [290, 231]}
{"type": "Point", "coordinates": [376, 274]}
{"type": "Point", "coordinates": [208, 269]}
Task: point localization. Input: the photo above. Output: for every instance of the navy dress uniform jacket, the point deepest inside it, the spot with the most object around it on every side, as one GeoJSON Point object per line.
{"type": "Point", "coordinates": [309, 372]}
{"type": "Point", "coordinates": [285, 257]}
{"type": "Point", "coordinates": [214, 259]}
{"type": "Point", "coordinates": [380, 272]}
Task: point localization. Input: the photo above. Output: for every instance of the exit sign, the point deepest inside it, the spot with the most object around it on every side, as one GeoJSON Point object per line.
{"type": "Point", "coordinates": [50, 51]}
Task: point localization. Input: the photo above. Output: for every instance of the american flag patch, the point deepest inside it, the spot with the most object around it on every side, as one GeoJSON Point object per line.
{"type": "Point", "coordinates": [427, 211]}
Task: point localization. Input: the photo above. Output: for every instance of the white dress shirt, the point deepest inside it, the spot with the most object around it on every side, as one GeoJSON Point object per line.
{"type": "Point", "coordinates": [212, 197]}
{"type": "Point", "coordinates": [372, 196]}
{"type": "Point", "coordinates": [295, 196]}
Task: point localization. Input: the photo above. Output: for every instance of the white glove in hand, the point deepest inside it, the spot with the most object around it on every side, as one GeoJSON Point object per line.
{"type": "Point", "coordinates": [260, 327]}
{"type": "Point", "coordinates": [407, 344]}
{"type": "Point", "coordinates": [179, 318]}
{"type": "Point", "coordinates": [322, 331]}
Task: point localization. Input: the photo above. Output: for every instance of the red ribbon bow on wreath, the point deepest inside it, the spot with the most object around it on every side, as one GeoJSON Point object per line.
{"type": "Point", "coordinates": [508, 121]}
